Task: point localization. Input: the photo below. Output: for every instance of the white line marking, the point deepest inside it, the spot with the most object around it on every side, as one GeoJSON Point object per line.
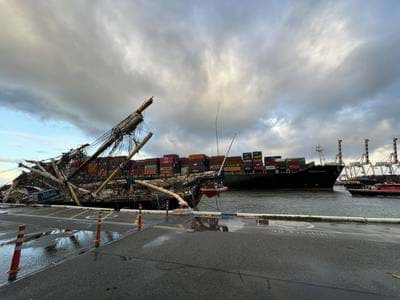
{"type": "Point", "coordinates": [56, 212]}
{"type": "Point", "coordinates": [107, 215]}
{"type": "Point", "coordinates": [170, 228]}
{"type": "Point", "coordinates": [82, 212]}
{"type": "Point", "coordinates": [69, 219]}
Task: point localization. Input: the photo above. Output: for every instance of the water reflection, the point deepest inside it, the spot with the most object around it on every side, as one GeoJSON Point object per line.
{"type": "Point", "coordinates": [208, 224]}
{"type": "Point", "coordinates": [49, 247]}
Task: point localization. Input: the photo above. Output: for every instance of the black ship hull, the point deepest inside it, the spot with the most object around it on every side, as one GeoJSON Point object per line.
{"type": "Point", "coordinates": [312, 177]}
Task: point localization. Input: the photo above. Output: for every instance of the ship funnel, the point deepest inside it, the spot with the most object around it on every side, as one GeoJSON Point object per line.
{"type": "Point", "coordinates": [366, 152]}
{"type": "Point", "coordinates": [340, 157]}
{"type": "Point", "coordinates": [395, 158]}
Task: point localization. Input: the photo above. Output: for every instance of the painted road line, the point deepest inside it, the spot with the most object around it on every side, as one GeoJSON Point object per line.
{"type": "Point", "coordinates": [172, 228]}
{"type": "Point", "coordinates": [107, 215]}
{"type": "Point", "coordinates": [75, 220]}
{"type": "Point", "coordinates": [57, 211]}
{"type": "Point", "coordinates": [78, 214]}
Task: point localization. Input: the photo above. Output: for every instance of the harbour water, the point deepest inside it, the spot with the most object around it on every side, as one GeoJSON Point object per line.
{"type": "Point", "coordinates": [338, 202]}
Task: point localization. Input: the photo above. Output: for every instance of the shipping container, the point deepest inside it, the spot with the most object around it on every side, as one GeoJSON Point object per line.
{"type": "Point", "coordinates": [216, 159]}
{"type": "Point", "coordinates": [295, 163]}
{"type": "Point", "coordinates": [232, 169]}
{"type": "Point", "coordinates": [137, 168]}
{"type": "Point", "coordinates": [271, 160]}
{"type": "Point", "coordinates": [184, 162]}
{"type": "Point", "coordinates": [257, 155]}
{"type": "Point", "coordinates": [234, 159]}
{"type": "Point", "coordinates": [176, 156]}
{"type": "Point", "coordinates": [272, 157]}
{"type": "Point", "coordinates": [152, 166]}
{"type": "Point", "coordinates": [198, 163]}
{"type": "Point", "coordinates": [215, 167]}
{"type": "Point", "coordinates": [248, 166]}
{"type": "Point", "coordinates": [247, 156]}
{"type": "Point", "coordinates": [198, 157]}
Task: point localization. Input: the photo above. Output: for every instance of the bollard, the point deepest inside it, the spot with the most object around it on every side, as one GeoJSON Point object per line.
{"type": "Point", "coordinates": [140, 224]}
{"type": "Point", "coordinates": [166, 209]}
{"type": "Point", "coordinates": [14, 268]}
{"type": "Point", "coordinates": [98, 230]}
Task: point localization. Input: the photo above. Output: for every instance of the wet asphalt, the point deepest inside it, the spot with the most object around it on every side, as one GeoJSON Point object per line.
{"type": "Point", "coordinates": [189, 257]}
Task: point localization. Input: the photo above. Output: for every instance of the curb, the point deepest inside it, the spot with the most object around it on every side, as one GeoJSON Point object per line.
{"type": "Point", "coordinates": [187, 212]}
{"type": "Point", "coordinates": [313, 218]}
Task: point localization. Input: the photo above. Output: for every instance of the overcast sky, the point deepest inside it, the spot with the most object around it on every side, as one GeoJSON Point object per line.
{"type": "Point", "coordinates": [288, 75]}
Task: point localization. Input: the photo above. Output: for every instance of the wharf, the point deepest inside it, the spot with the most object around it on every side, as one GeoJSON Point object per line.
{"type": "Point", "coordinates": [197, 257]}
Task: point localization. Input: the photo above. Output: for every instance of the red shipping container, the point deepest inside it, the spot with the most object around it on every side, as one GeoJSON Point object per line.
{"type": "Point", "coordinates": [184, 162]}
{"type": "Point", "coordinates": [234, 159]}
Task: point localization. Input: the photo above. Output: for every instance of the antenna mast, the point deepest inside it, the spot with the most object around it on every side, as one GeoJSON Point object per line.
{"type": "Point", "coordinates": [320, 151]}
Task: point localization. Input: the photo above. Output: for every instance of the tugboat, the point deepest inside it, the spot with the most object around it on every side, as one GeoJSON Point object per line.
{"type": "Point", "coordinates": [380, 189]}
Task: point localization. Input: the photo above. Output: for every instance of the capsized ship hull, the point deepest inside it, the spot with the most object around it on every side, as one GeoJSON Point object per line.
{"type": "Point", "coordinates": [312, 177]}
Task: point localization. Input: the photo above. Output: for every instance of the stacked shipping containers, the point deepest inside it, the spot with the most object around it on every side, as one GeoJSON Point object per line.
{"type": "Point", "coordinates": [270, 163]}
{"type": "Point", "coordinates": [233, 164]}
{"type": "Point", "coordinates": [198, 163]}
{"type": "Point", "coordinates": [280, 165]}
{"type": "Point", "coordinates": [172, 164]}
{"type": "Point", "coordinates": [151, 166]}
{"type": "Point", "coordinates": [114, 163]}
{"type": "Point", "coordinates": [184, 165]}
{"type": "Point", "coordinates": [137, 168]}
{"type": "Point", "coordinates": [216, 162]}
{"type": "Point", "coordinates": [295, 164]}
{"type": "Point", "coordinates": [248, 162]}
{"type": "Point", "coordinates": [257, 162]}
{"type": "Point", "coordinates": [169, 165]}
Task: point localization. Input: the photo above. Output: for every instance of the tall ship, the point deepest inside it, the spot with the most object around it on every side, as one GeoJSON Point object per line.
{"type": "Point", "coordinates": [89, 176]}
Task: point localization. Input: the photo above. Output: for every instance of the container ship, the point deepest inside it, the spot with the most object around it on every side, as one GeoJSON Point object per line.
{"type": "Point", "coordinates": [251, 171]}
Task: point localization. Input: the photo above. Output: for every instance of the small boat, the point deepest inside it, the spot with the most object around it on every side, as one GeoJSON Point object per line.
{"type": "Point", "coordinates": [212, 191]}
{"type": "Point", "coordinates": [380, 189]}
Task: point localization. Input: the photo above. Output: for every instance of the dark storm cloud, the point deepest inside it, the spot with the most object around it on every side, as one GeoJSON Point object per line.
{"type": "Point", "coordinates": [288, 74]}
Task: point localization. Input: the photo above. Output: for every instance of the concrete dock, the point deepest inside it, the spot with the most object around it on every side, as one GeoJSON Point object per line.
{"type": "Point", "coordinates": [196, 257]}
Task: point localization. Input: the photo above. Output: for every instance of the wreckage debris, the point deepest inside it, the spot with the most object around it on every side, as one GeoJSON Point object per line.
{"type": "Point", "coordinates": [93, 179]}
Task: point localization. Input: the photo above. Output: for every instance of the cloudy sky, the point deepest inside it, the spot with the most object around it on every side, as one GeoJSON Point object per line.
{"type": "Point", "coordinates": [288, 75]}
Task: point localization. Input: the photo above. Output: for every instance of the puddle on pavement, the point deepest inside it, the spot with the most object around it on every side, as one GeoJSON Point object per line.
{"type": "Point", "coordinates": [284, 224]}
{"type": "Point", "coordinates": [51, 247]}
{"type": "Point", "coordinates": [262, 222]}
{"type": "Point", "coordinates": [208, 224]}
{"type": "Point", "coordinates": [291, 224]}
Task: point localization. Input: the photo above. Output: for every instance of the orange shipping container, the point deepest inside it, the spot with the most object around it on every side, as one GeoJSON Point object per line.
{"type": "Point", "coordinates": [232, 169]}
{"type": "Point", "coordinates": [197, 157]}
